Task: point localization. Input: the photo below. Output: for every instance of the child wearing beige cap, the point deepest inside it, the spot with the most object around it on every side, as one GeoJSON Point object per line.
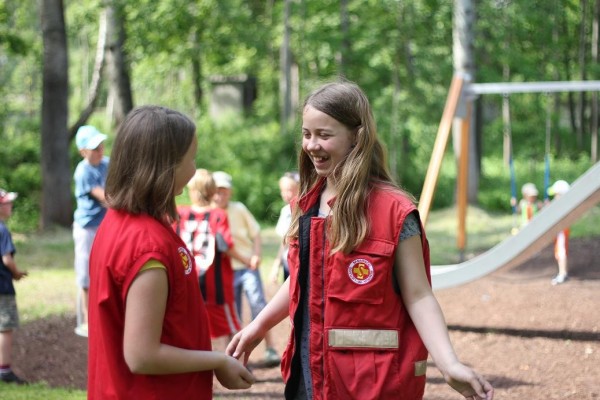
{"type": "Point", "coordinates": [529, 204]}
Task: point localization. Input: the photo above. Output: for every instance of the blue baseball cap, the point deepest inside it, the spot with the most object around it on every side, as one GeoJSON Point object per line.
{"type": "Point", "coordinates": [89, 138]}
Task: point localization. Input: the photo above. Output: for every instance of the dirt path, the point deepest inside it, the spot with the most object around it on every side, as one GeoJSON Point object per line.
{"type": "Point", "coordinates": [530, 339]}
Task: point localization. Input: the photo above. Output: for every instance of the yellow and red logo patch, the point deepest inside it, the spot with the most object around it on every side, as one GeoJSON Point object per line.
{"type": "Point", "coordinates": [361, 271]}
{"type": "Point", "coordinates": [186, 260]}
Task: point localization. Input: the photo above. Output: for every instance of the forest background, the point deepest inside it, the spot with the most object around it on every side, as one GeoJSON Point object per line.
{"type": "Point", "coordinates": [65, 63]}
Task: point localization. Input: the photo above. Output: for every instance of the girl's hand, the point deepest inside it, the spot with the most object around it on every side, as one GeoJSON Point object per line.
{"type": "Point", "coordinates": [233, 375]}
{"type": "Point", "coordinates": [243, 343]}
{"type": "Point", "coordinates": [274, 275]}
{"type": "Point", "coordinates": [468, 383]}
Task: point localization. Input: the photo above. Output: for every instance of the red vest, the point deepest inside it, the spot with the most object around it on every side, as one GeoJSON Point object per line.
{"type": "Point", "coordinates": [123, 244]}
{"type": "Point", "coordinates": [363, 344]}
{"type": "Point", "coordinates": [216, 284]}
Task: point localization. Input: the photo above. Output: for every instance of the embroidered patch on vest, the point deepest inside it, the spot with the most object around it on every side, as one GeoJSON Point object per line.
{"type": "Point", "coordinates": [360, 271]}
{"type": "Point", "coordinates": [186, 260]}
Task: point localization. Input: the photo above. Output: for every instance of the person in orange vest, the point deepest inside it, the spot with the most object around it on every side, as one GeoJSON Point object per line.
{"type": "Point", "coordinates": [529, 205]}
{"type": "Point", "coordinates": [363, 314]}
{"type": "Point", "coordinates": [561, 243]}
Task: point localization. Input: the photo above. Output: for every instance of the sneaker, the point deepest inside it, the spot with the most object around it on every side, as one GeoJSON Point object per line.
{"type": "Point", "coordinates": [558, 279]}
{"type": "Point", "coordinates": [10, 377]}
{"type": "Point", "coordinates": [82, 330]}
{"type": "Point", "coordinates": [271, 358]}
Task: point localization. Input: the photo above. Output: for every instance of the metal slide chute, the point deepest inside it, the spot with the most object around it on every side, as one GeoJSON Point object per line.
{"type": "Point", "coordinates": [537, 234]}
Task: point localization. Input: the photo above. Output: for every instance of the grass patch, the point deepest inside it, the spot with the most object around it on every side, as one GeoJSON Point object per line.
{"type": "Point", "coordinates": [485, 230]}
{"type": "Point", "coordinates": [39, 392]}
{"type": "Point", "coordinates": [50, 287]}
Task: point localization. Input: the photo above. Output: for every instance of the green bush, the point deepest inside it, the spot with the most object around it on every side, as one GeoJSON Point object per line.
{"type": "Point", "coordinates": [495, 190]}
{"type": "Point", "coordinates": [255, 154]}
{"type": "Point", "coordinates": [20, 172]}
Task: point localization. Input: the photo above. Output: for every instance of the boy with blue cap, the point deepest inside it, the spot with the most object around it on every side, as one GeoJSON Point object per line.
{"type": "Point", "coordinates": [90, 179]}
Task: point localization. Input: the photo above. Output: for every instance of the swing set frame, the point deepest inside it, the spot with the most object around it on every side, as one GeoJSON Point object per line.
{"type": "Point", "coordinates": [459, 104]}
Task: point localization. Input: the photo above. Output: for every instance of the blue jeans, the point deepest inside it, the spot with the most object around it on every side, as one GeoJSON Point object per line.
{"type": "Point", "coordinates": [248, 281]}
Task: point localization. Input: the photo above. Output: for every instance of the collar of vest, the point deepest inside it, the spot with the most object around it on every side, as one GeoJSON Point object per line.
{"type": "Point", "coordinates": [313, 195]}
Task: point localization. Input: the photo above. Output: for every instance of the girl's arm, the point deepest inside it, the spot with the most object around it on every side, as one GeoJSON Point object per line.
{"type": "Point", "coordinates": [427, 316]}
{"type": "Point", "coordinates": [233, 254]}
{"type": "Point", "coordinates": [145, 354]}
{"type": "Point", "coordinates": [9, 262]}
{"type": "Point", "coordinates": [248, 338]}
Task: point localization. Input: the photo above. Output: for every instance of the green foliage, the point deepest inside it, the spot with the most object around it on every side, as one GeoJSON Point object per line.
{"type": "Point", "coordinates": [20, 172]}
{"type": "Point", "coordinates": [495, 192]}
{"type": "Point", "coordinates": [256, 155]}
{"type": "Point", "coordinates": [399, 52]}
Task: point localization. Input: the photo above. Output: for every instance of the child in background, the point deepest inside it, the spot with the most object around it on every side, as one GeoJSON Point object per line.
{"type": "Point", "coordinates": [288, 187]}
{"type": "Point", "coordinates": [89, 178]}
{"type": "Point", "coordinates": [247, 281]}
{"type": "Point", "coordinates": [9, 317]}
{"type": "Point", "coordinates": [149, 336]}
{"type": "Point", "coordinates": [205, 230]}
{"type": "Point", "coordinates": [529, 204]}
{"type": "Point", "coordinates": [561, 243]}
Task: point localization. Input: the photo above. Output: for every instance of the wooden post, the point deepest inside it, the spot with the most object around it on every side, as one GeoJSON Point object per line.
{"type": "Point", "coordinates": [462, 186]}
{"type": "Point", "coordinates": [439, 147]}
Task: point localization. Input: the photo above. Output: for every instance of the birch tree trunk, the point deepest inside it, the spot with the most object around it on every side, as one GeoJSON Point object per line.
{"type": "Point", "coordinates": [595, 118]}
{"type": "Point", "coordinates": [96, 78]}
{"type": "Point", "coordinates": [464, 63]}
{"type": "Point", "coordinates": [285, 80]}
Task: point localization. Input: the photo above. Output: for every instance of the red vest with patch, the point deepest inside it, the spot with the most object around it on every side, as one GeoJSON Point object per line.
{"type": "Point", "coordinates": [363, 343]}
{"type": "Point", "coordinates": [123, 244]}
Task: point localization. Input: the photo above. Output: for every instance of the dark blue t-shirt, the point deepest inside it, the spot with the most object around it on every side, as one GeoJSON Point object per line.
{"type": "Point", "coordinates": [6, 247]}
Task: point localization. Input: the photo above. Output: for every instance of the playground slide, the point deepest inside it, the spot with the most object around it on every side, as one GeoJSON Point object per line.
{"type": "Point", "coordinates": [537, 234]}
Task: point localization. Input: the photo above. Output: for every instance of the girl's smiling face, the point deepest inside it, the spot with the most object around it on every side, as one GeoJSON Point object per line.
{"type": "Point", "coordinates": [325, 140]}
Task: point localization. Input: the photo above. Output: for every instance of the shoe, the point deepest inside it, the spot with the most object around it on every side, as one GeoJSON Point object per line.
{"type": "Point", "coordinates": [271, 358]}
{"type": "Point", "coordinates": [82, 330]}
{"type": "Point", "coordinates": [558, 279]}
{"type": "Point", "coordinates": [10, 377]}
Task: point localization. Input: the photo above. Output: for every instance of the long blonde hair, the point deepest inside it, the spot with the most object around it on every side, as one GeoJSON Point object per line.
{"type": "Point", "coordinates": [202, 188]}
{"type": "Point", "coordinates": [364, 167]}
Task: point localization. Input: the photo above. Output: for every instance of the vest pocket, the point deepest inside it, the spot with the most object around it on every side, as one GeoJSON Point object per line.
{"type": "Point", "coordinates": [361, 364]}
{"type": "Point", "coordinates": [363, 275]}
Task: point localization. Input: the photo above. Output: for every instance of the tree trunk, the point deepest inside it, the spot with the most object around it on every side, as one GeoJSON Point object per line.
{"type": "Point", "coordinates": [116, 60]}
{"type": "Point", "coordinates": [285, 81]}
{"type": "Point", "coordinates": [580, 132]}
{"type": "Point", "coordinates": [56, 173]}
{"type": "Point", "coordinates": [96, 78]}
{"type": "Point", "coordinates": [345, 34]}
{"type": "Point", "coordinates": [464, 63]}
{"type": "Point", "coordinates": [197, 70]}
{"type": "Point", "coordinates": [595, 118]}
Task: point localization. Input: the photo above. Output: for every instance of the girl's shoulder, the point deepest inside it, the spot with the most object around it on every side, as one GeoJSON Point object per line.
{"type": "Point", "coordinates": [390, 193]}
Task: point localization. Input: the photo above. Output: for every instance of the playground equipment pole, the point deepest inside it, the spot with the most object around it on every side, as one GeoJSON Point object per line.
{"type": "Point", "coordinates": [463, 180]}
{"type": "Point", "coordinates": [439, 147]}
{"type": "Point", "coordinates": [461, 90]}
